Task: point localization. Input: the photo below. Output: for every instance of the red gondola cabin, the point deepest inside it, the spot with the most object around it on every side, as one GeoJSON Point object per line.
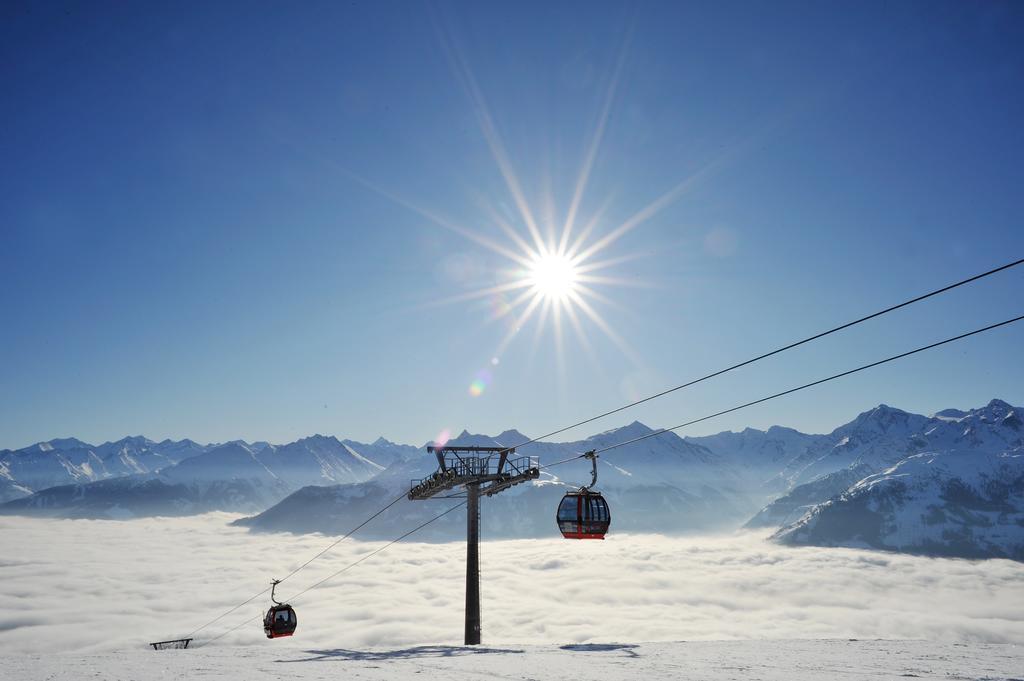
{"type": "Point", "coordinates": [583, 515]}
{"type": "Point", "coordinates": [280, 621]}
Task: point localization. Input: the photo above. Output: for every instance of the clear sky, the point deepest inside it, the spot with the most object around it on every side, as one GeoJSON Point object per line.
{"type": "Point", "coordinates": [265, 220]}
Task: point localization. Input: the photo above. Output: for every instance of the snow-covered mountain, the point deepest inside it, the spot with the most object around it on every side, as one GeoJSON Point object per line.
{"type": "Point", "coordinates": [142, 495]}
{"type": "Point", "coordinates": [70, 461]}
{"type": "Point", "coordinates": [761, 455]}
{"type": "Point", "coordinates": [962, 503]}
{"type": "Point", "coordinates": [952, 484]}
{"type": "Point", "coordinates": [878, 439]}
{"type": "Point", "coordinates": [180, 478]}
{"type": "Point", "coordinates": [663, 484]}
{"type": "Point", "coordinates": [9, 487]}
{"type": "Point", "coordinates": [887, 470]}
{"type": "Point", "coordinates": [318, 460]}
{"type": "Point", "coordinates": [792, 505]}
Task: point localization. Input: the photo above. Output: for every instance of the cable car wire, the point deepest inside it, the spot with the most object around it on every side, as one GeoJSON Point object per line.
{"type": "Point", "coordinates": [791, 390]}
{"type": "Point", "coordinates": [344, 569]}
{"type": "Point", "coordinates": [680, 387]}
{"type": "Point", "coordinates": [784, 348]}
{"type": "Point", "coordinates": [292, 573]}
{"type": "Point", "coordinates": [376, 551]}
{"type": "Point", "coordinates": [656, 433]}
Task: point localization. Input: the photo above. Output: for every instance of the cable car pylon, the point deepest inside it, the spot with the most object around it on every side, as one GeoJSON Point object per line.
{"type": "Point", "coordinates": [480, 471]}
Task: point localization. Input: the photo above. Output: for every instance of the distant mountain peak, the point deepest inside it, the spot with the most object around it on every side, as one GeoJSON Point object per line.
{"type": "Point", "coordinates": [133, 441]}
{"type": "Point", "coordinates": [634, 429]}
{"type": "Point", "coordinates": [511, 438]}
{"type": "Point", "coordinates": [997, 405]}
{"type": "Point", "coordinates": [61, 443]}
{"type": "Point", "coordinates": [234, 445]}
{"type": "Point", "coordinates": [881, 418]}
{"type": "Point", "coordinates": [318, 438]}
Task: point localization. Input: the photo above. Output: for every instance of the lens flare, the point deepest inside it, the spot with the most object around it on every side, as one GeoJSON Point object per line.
{"type": "Point", "coordinates": [502, 310]}
{"type": "Point", "coordinates": [480, 383]}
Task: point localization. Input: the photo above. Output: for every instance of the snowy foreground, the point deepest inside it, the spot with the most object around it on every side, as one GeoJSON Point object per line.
{"type": "Point", "coordinates": [785, 660]}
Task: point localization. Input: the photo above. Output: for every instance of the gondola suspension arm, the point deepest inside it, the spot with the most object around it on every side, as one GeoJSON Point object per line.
{"type": "Point", "coordinates": [273, 586]}
{"type": "Point", "coordinates": [592, 455]}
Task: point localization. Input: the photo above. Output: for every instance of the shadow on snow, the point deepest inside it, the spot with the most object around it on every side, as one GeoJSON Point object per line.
{"type": "Point", "coordinates": [407, 653]}
{"type": "Point", "coordinates": [601, 648]}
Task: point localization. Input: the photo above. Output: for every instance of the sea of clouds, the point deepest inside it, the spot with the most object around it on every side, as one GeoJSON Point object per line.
{"type": "Point", "coordinates": [99, 585]}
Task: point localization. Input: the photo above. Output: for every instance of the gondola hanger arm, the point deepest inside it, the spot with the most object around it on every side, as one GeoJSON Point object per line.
{"type": "Point", "coordinates": [273, 586]}
{"type": "Point", "coordinates": [592, 455]}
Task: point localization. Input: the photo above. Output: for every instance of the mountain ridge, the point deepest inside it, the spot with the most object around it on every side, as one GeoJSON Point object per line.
{"type": "Point", "coordinates": [779, 478]}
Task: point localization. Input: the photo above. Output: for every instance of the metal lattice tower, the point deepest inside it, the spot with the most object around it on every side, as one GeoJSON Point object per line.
{"type": "Point", "coordinates": [480, 471]}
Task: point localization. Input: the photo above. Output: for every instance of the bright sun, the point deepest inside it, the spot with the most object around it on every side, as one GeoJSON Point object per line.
{"type": "Point", "coordinates": [553, 276]}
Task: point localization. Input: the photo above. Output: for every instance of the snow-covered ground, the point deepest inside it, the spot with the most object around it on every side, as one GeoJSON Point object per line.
{"type": "Point", "coordinates": [81, 599]}
{"type": "Point", "coordinates": [778, 660]}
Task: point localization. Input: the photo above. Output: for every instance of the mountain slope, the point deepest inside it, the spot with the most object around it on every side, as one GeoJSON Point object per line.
{"type": "Point", "coordinates": [318, 460]}
{"type": "Point", "coordinates": [141, 495]}
{"type": "Point", "coordinates": [962, 504]}
{"type": "Point", "coordinates": [962, 494]}
{"type": "Point", "coordinates": [794, 504]}
{"type": "Point", "coordinates": [662, 484]}
{"type": "Point", "coordinates": [880, 438]}
{"type": "Point", "coordinates": [69, 460]}
{"type": "Point", "coordinates": [231, 477]}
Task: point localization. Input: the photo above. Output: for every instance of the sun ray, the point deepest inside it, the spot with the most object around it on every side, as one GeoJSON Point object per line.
{"type": "Point", "coordinates": [656, 206]}
{"type": "Point", "coordinates": [587, 292]}
{"type": "Point", "coordinates": [481, 293]}
{"type": "Point", "coordinates": [556, 321]}
{"type": "Point", "coordinates": [584, 341]}
{"type": "Point", "coordinates": [595, 145]}
{"type": "Point", "coordinates": [639, 217]}
{"type": "Point", "coordinates": [616, 281]}
{"type": "Point", "coordinates": [574, 321]}
{"type": "Point", "coordinates": [484, 119]}
{"type": "Point", "coordinates": [538, 330]}
{"type": "Point", "coordinates": [519, 323]}
{"type": "Point", "coordinates": [511, 307]}
{"type": "Point", "coordinates": [592, 296]}
{"type": "Point", "coordinates": [583, 268]}
{"type": "Point", "coordinates": [587, 229]}
{"type": "Point", "coordinates": [439, 220]}
{"type": "Point", "coordinates": [555, 277]}
{"type": "Point", "coordinates": [509, 230]}
{"type": "Point", "coordinates": [599, 321]}
{"type": "Point", "coordinates": [547, 209]}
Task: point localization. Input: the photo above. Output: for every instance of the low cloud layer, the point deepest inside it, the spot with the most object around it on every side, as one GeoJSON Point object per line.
{"type": "Point", "coordinates": [95, 585]}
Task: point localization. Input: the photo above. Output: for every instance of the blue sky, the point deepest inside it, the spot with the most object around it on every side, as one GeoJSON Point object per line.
{"type": "Point", "coordinates": [209, 224]}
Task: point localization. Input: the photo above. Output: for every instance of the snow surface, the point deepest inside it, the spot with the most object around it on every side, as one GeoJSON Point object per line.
{"type": "Point", "coordinates": [782, 660]}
